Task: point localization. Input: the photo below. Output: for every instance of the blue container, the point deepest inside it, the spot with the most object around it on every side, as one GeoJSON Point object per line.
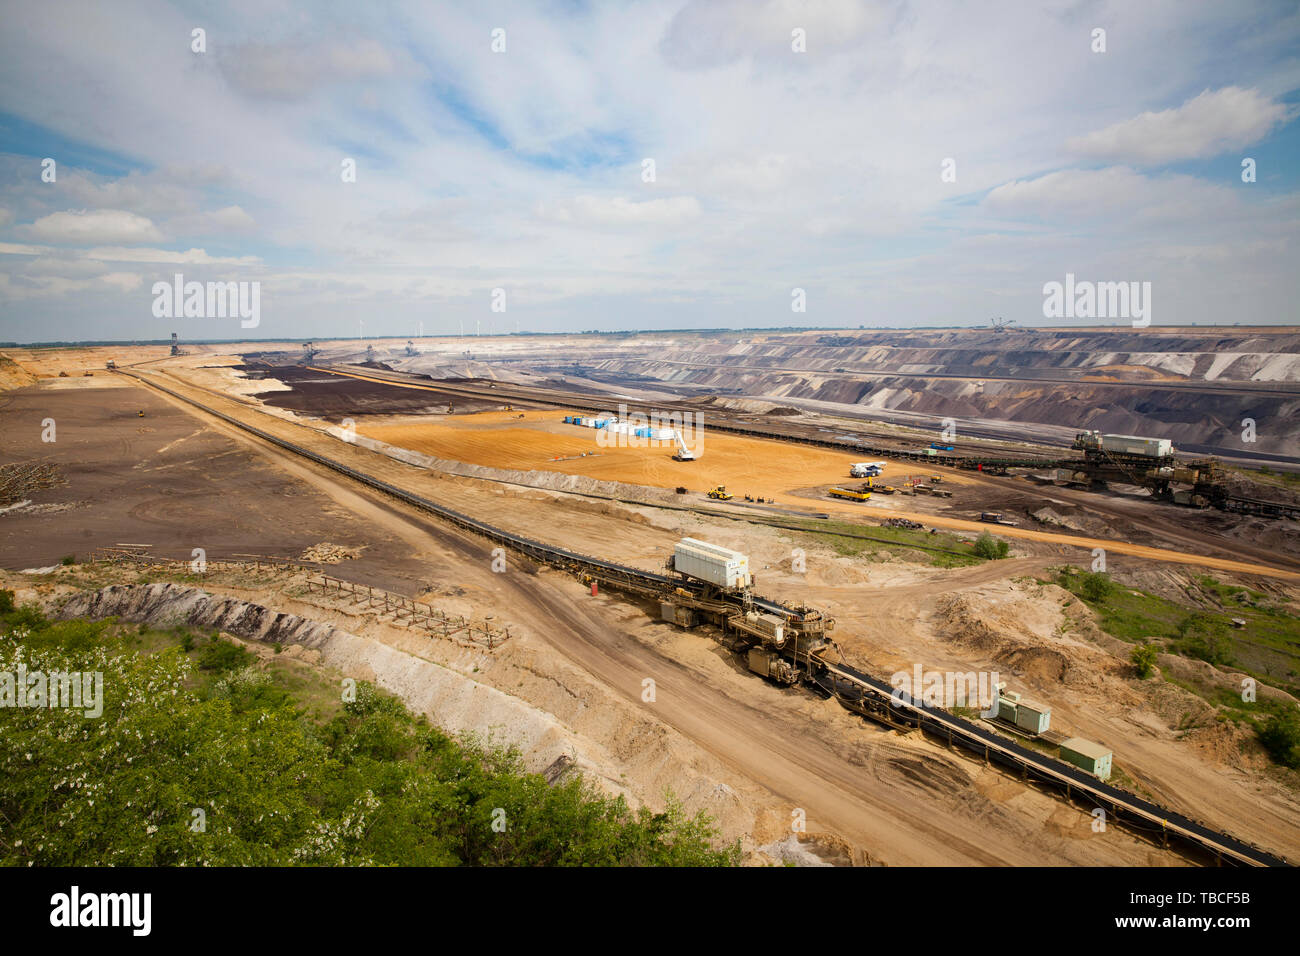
{"type": "Point", "coordinates": [643, 433]}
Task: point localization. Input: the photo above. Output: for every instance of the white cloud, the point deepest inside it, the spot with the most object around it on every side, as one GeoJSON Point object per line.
{"type": "Point", "coordinates": [620, 211]}
{"type": "Point", "coordinates": [295, 69]}
{"type": "Point", "coordinates": [99, 225]}
{"type": "Point", "coordinates": [774, 169]}
{"type": "Point", "coordinates": [123, 281]}
{"type": "Point", "coordinates": [63, 266]}
{"type": "Point", "coordinates": [711, 33]}
{"type": "Point", "coordinates": [1206, 125]}
{"type": "Point", "coordinates": [230, 220]}
{"type": "Point", "coordinates": [195, 257]}
{"type": "Point", "coordinates": [22, 249]}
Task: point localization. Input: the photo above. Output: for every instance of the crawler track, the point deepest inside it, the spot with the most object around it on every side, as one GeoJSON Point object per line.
{"type": "Point", "coordinates": [854, 689]}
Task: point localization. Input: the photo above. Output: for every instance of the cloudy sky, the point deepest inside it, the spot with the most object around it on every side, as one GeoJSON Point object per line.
{"type": "Point", "coordinates": [525, 169]}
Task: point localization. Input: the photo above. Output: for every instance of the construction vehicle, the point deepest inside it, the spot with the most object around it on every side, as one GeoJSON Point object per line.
{"type": "Point", "coordinates": [936, 479]}
{"type": "Point", "coordinates": [683, 453]}
{"type": "Point", "coordinates": [866, 469]}
{"type": "Point", "coordinates": [720, 493]}
{"type": "Point", "coordinates": [849, 495]}
{"type": "Point", "coordinates": [995, 517]}
{"type": "Point", "coordinates": [111, 365]}
{"type": "Point", "coordinates": [886, 489]}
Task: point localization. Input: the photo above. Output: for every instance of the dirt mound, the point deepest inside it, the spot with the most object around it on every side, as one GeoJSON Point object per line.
{"type": "Point", "coordinates": [958, 621]}
{"type": "Point", "coordinates": [1036, 663]}
{"type": "Point", "coordinates": [168, 604]}
{"type": "Point", "coordinates": [13, 375]}
{"type": "Point", "coordinates": [326, 553]}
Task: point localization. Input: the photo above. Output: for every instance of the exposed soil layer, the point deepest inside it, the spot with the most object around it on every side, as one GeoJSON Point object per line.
{"type": "Point", "coordinates": [321, 394]}
{"type": "Point", "coordinates": [1192, 386]}
{"type": "Point", "coordinates": [166, 482]}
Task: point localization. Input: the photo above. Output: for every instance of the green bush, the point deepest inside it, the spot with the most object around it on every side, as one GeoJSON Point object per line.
{"type": "Point", "coordinates": [6, 601]}
{"type": "Point", "coordinates": [68, 559]}
{"type": "Point", "coordinates": [1095, 586]}
{"type": "Point", "coordinates": [1143, 658]}
{"type": "Point", "coordinates": [990, 548]}
{"type": "Point", "coordinates": [222, 656]}
{"type": "Point", "coordinates": [373, 786]}
{"type": "Point", "coordinates": [1204, 637]}
{"type": "Point", "coordinates": [1281, 738]}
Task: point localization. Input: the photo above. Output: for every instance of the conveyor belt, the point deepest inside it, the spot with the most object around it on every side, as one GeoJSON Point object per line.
{"type": "Point", "coordinates": [1134, 811]}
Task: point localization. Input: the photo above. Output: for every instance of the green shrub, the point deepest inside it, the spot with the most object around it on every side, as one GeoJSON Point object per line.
{"type": "Point", "coordinates": [1204, 637]}
{"type": "Point", "coordinates": [990, 548]}
{"type": "Point", "coordinates": [1143, 658]}
{"type": "Point", "coordinates": [372, 787]}
{"type": "Point", "coordinates": [1095, 586]}
{"type": "Point", "coordinates": [222, 656]}
{"type": "Point", "coordinates": [68, 559]}
{"type": "Point", "coordinates": [1281, 738]}
{"type": "Point", "coordinates": [6, 601]}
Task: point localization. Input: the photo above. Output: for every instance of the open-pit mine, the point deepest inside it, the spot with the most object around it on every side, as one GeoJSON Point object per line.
{"type": "Point", "coordinates": [936, 596]}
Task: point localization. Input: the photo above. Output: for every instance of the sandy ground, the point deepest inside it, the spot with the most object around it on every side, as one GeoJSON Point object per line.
{"type": "Point", "coordinates": [768, 469]}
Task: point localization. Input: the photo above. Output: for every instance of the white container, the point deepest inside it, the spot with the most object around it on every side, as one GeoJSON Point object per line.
{"type": "Point", "coordinates": [710, 562]}
{"type": "Point", "coordinates": [1136, 445]}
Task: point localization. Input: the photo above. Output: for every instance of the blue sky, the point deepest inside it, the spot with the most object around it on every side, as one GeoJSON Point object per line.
{"type": "Point", "coordinates": [522, 169]}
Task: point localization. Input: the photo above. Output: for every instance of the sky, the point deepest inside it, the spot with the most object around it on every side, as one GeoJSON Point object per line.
{"type": "Point", "coordinates": [568, 166]}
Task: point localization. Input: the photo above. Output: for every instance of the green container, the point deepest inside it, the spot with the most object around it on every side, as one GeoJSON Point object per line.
{"type": "Point", "coordinates": [1086, 755]}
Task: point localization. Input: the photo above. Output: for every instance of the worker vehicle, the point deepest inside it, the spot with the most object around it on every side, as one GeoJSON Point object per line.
{"type": "Point", "coordinates": [683, 453]}
{"type": "Point", "coordinates": [720, 493]}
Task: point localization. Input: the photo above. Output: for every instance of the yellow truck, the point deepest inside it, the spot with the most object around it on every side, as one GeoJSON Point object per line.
{"type": "Point", "coordinates": [850, 495]}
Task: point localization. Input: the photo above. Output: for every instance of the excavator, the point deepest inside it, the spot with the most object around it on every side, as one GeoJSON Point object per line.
{"type": "Point", "coordinates": [683, 453]}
